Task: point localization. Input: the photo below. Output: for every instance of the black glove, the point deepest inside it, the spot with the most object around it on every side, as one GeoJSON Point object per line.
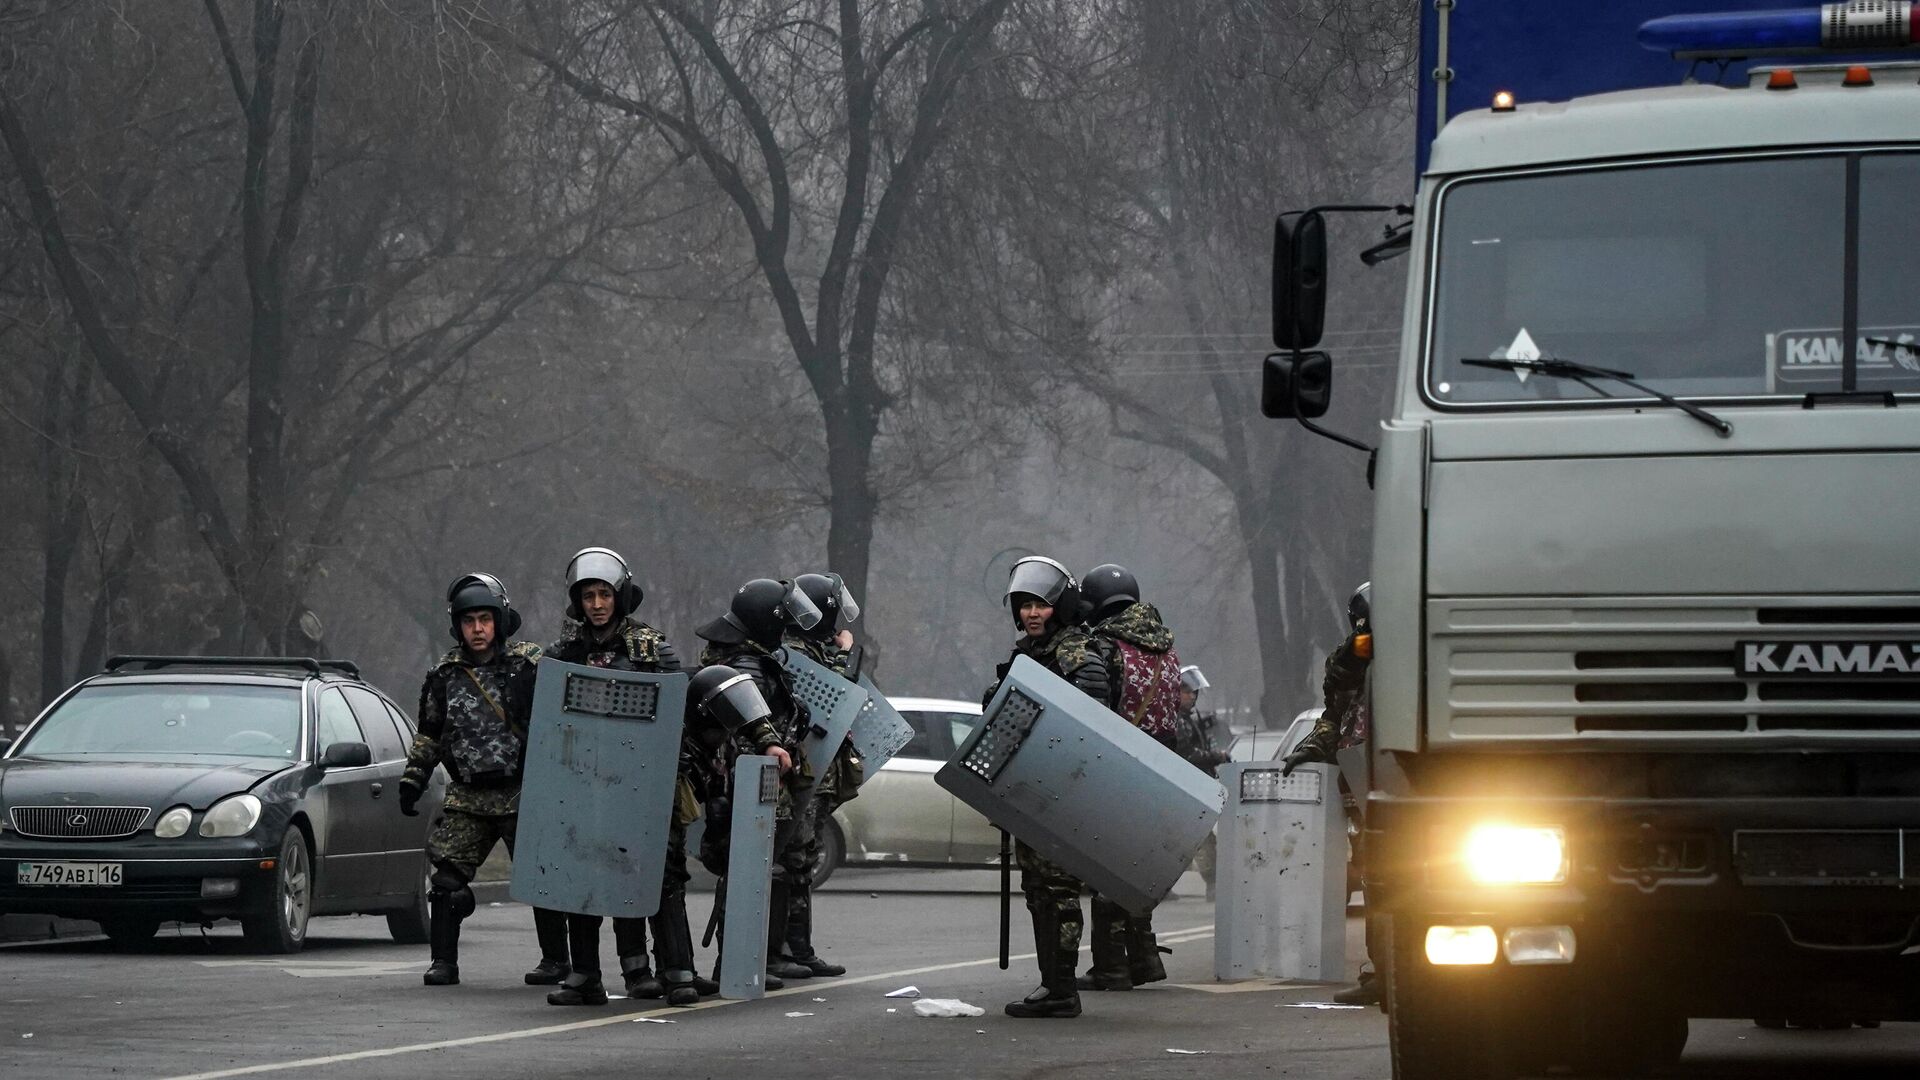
{"type": "Point", "coordinates": [409, 799]}
{"type": "Point", "coordinates": [1306, 754]}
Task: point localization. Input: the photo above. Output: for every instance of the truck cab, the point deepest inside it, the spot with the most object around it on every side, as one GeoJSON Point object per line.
{"type": "Point", "coordinates": [1646, 688]}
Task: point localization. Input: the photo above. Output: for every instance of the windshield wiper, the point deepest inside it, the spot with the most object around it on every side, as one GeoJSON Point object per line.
{"type": "Point", "coordinates": [1568, 369]}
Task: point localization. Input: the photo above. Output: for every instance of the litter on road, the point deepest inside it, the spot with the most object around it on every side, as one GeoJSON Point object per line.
{"type": "Point", "coordinates": [1320, 1005]}
{"type": "Point", "coordinates": [791, 1015]}
{"type": "Point", "coordinates": [906, 992]}
{"type": "Point", "coordinates": [1177, 1050]}
{"type": "Point", "coordinates": [946, 1007]}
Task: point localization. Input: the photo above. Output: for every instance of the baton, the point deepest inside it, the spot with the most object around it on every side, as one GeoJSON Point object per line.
{"type": "Point", "coordinates": [719, 905]}
{"type": "Point", "coordinates": [1006, 896]}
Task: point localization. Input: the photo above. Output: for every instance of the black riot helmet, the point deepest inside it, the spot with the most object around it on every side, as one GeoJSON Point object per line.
{"type": "Point", "coordinates": [1360, 609]}
{"type": "Point", "coordinates": [602, 564]}
{"type": "Point", "coordinates": [1047, 580]}
{"type": "Point", "coordinates": [721, 701]}
{"type": "Point", "coordinates": [471, 592]}
{"type": "Point", "coordinates": [838, 609]}
{"type": "Point", "coordinates": [760, 612]}
{"type": "Point", "coordinates": [1106, 589]}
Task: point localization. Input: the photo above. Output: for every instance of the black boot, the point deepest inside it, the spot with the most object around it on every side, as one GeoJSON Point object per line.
{"type": "Point", "coordinates": [443, 934]}
{"type": "Point", "coordinates": [1056, 996]}
{"type": "Point", "coordinates": [1109, 947]}
{"type": "Point", "coordinates": [582, 948]}
{"type": "Point", "coordinates": [800, 933]}
{"type": "Point", "coordinates": [580, 988]}
{"type": "Point", "coordinates": [630, 941]}
{"type": "Point", "coordinates": [778, 966]}
{"type": "Point", "coordinates": [1143, 951]}
{"type": "Point", "coordinates": [673, 951]}
{"type": "Point", "coordinates": [551, 928]}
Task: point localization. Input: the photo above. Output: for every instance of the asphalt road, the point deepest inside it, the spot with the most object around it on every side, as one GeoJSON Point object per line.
{"type": "Point", "coordinates": [351, 1005]}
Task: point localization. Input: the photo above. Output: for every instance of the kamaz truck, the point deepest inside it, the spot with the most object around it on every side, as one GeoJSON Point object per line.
{"type": "Point", "coordinates": [1645, 702]}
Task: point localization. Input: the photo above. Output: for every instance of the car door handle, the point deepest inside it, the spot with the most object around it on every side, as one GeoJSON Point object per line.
{"type": "Point", "coordinates": [377, 789]}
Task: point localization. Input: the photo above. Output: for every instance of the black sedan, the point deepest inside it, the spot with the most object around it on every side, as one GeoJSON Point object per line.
{"type": "Point", "coordinates": [203, 788]}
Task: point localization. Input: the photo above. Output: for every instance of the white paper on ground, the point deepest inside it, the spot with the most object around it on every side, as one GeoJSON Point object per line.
{"type": "Point", "coordinates": [946, 1007]}
{"type": "Point", "coordinates": [1320, 1005]}
{"type": "Point", "coordinates": [1177, 1050]}
{"type": "Point", "coordinates": [906, 992]}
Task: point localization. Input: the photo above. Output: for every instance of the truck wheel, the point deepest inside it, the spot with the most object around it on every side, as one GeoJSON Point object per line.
{"type": "Point", "coordinates": [1438, 1026]}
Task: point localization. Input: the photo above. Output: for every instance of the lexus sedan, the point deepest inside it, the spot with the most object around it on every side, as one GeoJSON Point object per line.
{"type": "Point", "coordinates": [204, 788]}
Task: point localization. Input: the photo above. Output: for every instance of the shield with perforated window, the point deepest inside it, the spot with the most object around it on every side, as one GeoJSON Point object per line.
{"type": "Point", "coordinates": [879, 732]}
{"type": "Point", "coordinates": [596, 802]}
{"type": "Point", "coordinates": [833, 704]}
{"type": "Point", "coordinates": [1084, 788]}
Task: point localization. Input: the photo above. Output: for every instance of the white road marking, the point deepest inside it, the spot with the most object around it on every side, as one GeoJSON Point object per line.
{"type": "Point", "coordinates": [1191, 933]}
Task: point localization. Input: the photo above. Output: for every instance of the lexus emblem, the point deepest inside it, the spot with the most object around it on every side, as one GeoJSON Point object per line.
{"type": "Point", "coordinates": [76, 821]}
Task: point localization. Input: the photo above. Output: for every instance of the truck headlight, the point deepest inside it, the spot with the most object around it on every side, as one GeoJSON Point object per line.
{"type": "Point", "coordinates": [173, 823]}
{"type": "Point", "coordinates": [235, 815]}
{"type": "Point", "coordinates": [1516, 854]}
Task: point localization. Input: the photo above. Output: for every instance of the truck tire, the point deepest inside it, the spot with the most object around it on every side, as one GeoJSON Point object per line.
{"type": "Point", "coordinates": [1438, 1025]}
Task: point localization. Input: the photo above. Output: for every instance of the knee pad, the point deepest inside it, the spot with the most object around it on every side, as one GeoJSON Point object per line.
{"type": "Point", "coordinates": [449, 886]}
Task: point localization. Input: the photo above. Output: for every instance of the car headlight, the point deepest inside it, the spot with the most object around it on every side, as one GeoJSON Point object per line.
{"type": "Point", "coordinates": [1516, 854]}
{"type": "Point", "coordinates": [235, 815]}
{"type": "Point", "coordinates": [173, 823]}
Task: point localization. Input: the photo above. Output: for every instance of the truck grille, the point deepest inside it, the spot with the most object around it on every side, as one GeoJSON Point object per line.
{"type": "Point", "coordinates": [1658, 668]}
{"type": "Point", "coordinates": [78, 822]}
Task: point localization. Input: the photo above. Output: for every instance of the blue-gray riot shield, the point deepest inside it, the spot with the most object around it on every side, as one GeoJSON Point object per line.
{"type": "Point", "coordinates": [879, 732]}
{"type": "Point", "coordinates": [832, 701]}
{"type": "Point", "coordinates": [596, 802]}
{"type": "Point", "coordinates": [743, 953]}
{"type": "Point", "coordinates": [1084, 788]}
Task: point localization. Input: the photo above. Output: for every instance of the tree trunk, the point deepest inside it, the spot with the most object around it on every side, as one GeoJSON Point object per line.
{"type": "Point", "coordinates": [851, 503]}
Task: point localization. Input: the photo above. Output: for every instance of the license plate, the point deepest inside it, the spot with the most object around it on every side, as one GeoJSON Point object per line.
{"type": "Point", "coordinates": [68, 873]}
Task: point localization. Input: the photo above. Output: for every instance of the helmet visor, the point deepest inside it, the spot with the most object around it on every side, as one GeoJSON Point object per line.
{"type": "Point", "coordinates": [849, 607]}
{"type": "Point", "coordinates": [597, 564]}
{"type": "Point", "coordinates": [736, 703]}
{"type": "Point", "coordinates": [1193, 678]}
{"type": "Point", "coordinates": [799, 610]}
{"type": "Point", "coordinates": [1041, 577]}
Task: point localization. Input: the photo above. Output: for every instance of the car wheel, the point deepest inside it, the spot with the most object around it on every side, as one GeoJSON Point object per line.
{"type": "Point", "coordinates": [129, 932]}
{"type": "Point", "coordinates": [409, 925]}
{"type": "Point", "coordinates": [833, 851]}
{"type": "Point", "coordinates": [280, 926]}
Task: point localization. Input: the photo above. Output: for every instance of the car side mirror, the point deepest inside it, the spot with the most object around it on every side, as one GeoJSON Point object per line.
{"type": "Point", "coordinates": [346, 755]}
{"type": "Point", "coordinates": [1297, 385]}
{"type": "Point", "coordinates": [1299, 281]}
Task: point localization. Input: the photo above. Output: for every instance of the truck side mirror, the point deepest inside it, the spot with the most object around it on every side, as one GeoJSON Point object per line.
{"type": "Point", "coordinates": [1298, 385]}
{"type": "Point", "coordinates": [1299, 281]}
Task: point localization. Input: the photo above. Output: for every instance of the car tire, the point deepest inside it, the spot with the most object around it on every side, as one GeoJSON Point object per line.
{"type": "Point", "coordinates": [129, 932]}
{"type": "Point", "coordinates": [280, 925]}
{"type": "Point", "coordinates": [409, 925]}
{"type": "Point", "coordinates": [833, 851]}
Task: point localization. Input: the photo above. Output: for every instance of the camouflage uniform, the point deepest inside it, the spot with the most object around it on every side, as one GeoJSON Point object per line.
{"type": "Point", "coordinates": [1343, 688]}
{"type": "Point", "coordinates": [1196, 744]}
{"type": "Point", "coordinates": [473, 720]}
{"type": "Point", "coordinates": [1144, 674]}
{"type": "Point", "coordinates": [632, 645]}
{"type": "Point", "coordinates": [1053, 894]}
{"type": "Point", "coordinates": [840, 783]}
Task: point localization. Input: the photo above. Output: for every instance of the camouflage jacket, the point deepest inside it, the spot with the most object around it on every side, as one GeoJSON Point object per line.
{"type": "Point", "coordinates": [473, 718]}
{"type": "Point", "coordinates": [634, 646]}
{"type": "Point", "coordinates": [847, 772]}
{"type": "Point", "coordinates": [1069, 652]}
{"type": "Point", "coordinates": [1343, 689]}
{"type": "Point", "coordinates": [1142, 669]}
{"type": "Point", "coordinates": [759, 665]}
{"type": "Point", "coordinates": [1197, 740]}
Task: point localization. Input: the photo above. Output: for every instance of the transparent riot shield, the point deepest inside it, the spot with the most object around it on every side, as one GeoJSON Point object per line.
{"type": "Point", "coordinates": [879, 732]}
{"type": "Point", "coordinates": [833, 703]}
{"type": "Point", "coordinates": [596, 801]}
{"type": "Point", "coordinates": [743, 951]}
{"type": "Point", "coordinates": [1084, 788]}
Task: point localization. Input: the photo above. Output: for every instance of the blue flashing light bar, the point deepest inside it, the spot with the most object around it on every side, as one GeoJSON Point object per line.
{"type": "Point", "coordinates": [1853, 26]}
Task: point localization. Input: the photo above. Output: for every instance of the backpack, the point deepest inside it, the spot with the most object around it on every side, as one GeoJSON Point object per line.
{"type": "Point", "coordinates": [1149, 690]}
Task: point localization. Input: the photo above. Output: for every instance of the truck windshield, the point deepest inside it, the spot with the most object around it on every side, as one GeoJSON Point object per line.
{"type": "Point", "coordinates": [1714, 279]}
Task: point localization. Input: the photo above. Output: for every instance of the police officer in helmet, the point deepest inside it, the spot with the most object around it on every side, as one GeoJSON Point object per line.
{"type": "Point", "coordinates": [474, 707]}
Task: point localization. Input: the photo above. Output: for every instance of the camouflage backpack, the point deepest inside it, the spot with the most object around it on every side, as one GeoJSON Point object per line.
{"type": "Point", "coordinates": [1149, 690]}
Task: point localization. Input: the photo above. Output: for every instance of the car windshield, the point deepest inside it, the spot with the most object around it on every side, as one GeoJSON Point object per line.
{"type": "Point", "coordinates": [165, 720]}
{"type": "Point", "coordinates": [1704, 279]}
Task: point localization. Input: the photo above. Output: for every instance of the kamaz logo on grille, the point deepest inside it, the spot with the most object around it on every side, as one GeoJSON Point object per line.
{"type": "Point", "coordinates": [1785, 659]}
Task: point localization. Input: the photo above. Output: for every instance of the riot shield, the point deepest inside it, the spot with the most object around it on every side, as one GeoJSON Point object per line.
{"type": "Point", "coordinates": [743, 951]}
{"type": "Point", "coordinates": [832, 703]}
{"type": "Point", "coordinates": [596, 802]}
{"type": "Point", "coordinates": [1084, 788]}
{"type": "Point", "coordinates": [879, 732]}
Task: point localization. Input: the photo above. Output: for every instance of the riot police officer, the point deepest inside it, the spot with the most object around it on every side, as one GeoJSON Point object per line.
{"type": "Point", "coordinates": [473, 715]}
{"type": "Point", "coordinates": [1144, 681]}
{"type": "Point", "coordinates": [1043, 599]}
{"type": "Point", "coordinates": [827, 644]}
{"type": "Point", "coordinates": [1198, 742]}
{"type": "Point", "coordinates": [747, 638]}
{"type": "Point", "coordinates": [603, 631]}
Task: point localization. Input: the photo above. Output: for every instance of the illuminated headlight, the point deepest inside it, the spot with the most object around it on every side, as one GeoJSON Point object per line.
{"type": "Point", "coordinates": [1462, 946]}
{"type": "Point", "coordinates": [1516, 854]}
{"type": "Point", "coordinates": [173, 823]}
{"type": "Point", "coordinates": [232, 816]}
